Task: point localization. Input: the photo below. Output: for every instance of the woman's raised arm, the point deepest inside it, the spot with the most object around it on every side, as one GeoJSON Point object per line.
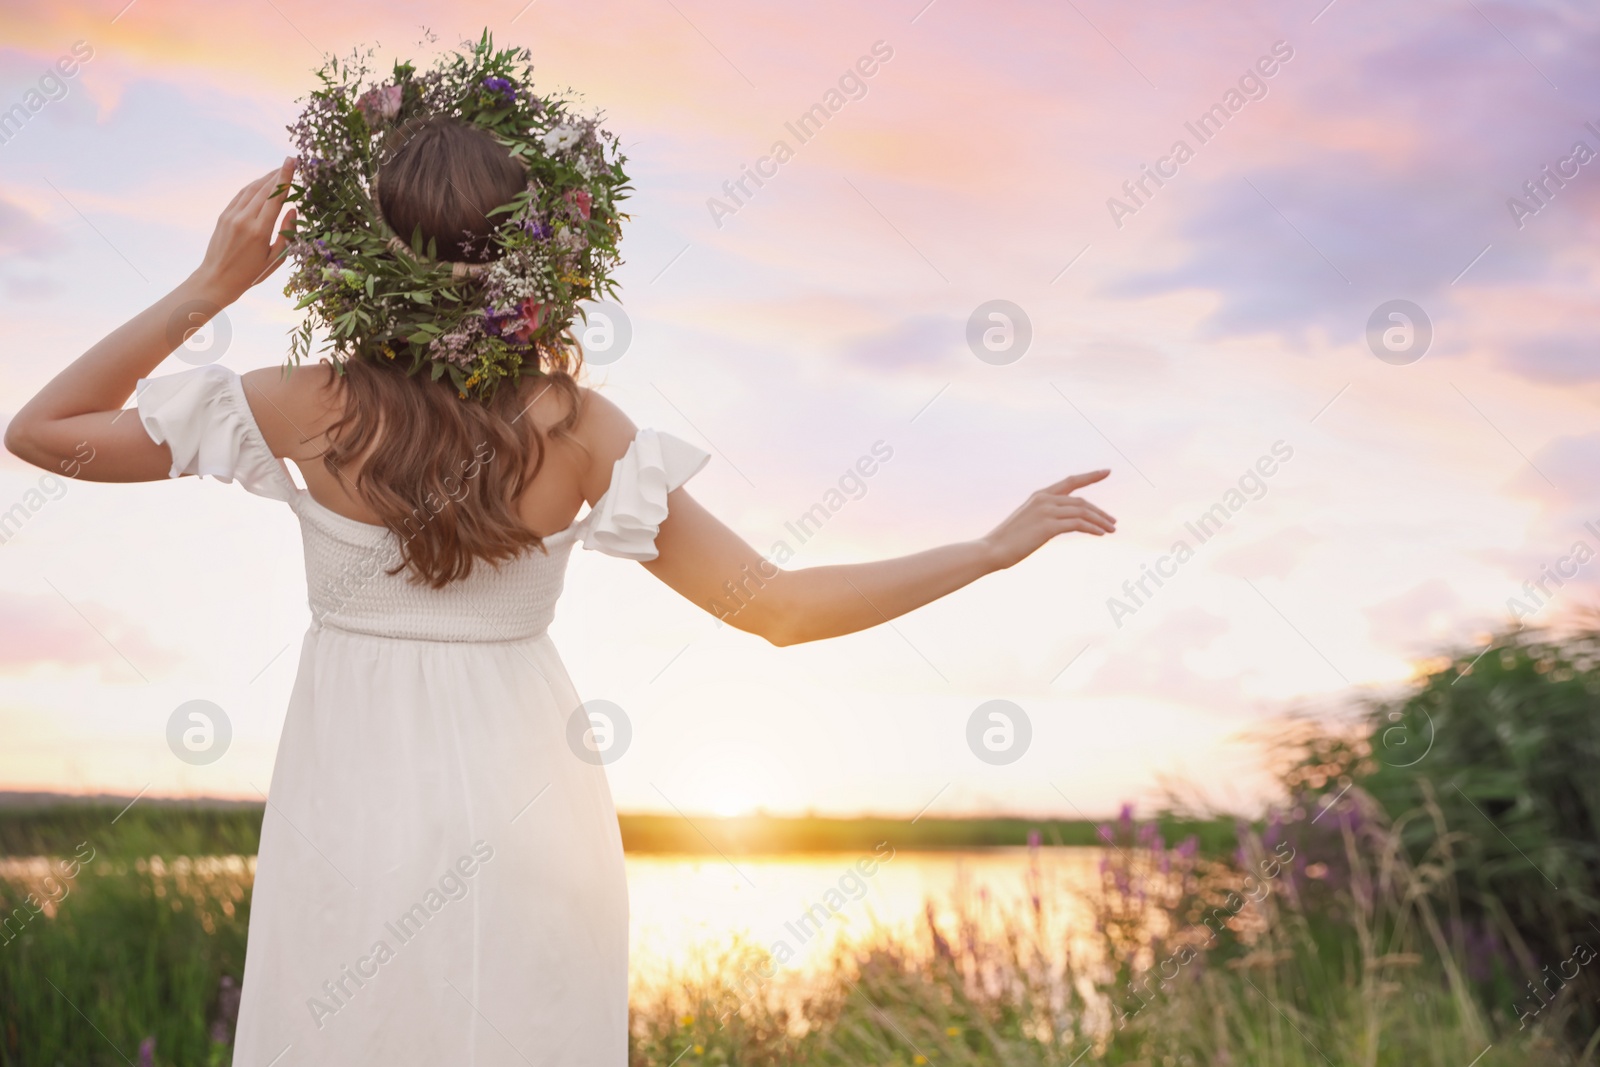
{"type": "Point", "coordinates": [710, 565]}
{"type": "Point", "coordinates": [79, 412]}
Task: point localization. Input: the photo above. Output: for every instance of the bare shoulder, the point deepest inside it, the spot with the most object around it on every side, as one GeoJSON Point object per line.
{"type": "Point", "coordinates": [604, 431]}
{"type": "Point", "coordinates": [595, 420]}
{"type": "Point", "coordinates": [294, 406]}
{"type": "Point", "coordinates": [602, 425]}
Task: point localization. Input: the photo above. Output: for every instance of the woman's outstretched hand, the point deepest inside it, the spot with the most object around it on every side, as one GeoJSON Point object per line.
{"type": "Point", "coordinates": [1052, 510]}
{"type": "Point", "coordinates": [242, 250]}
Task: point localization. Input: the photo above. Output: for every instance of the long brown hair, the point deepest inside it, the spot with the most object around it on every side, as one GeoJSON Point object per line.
{"type": "Point", "coordinates": [445, 473]}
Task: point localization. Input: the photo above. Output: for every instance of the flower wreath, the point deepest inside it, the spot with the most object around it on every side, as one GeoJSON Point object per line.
{"type": "Point", "coordinates": [382, 295]}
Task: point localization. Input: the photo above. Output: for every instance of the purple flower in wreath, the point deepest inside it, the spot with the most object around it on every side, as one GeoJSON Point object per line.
{"type": "Point", "coordinates": [536, 229]}
{"type": "Point", "coordinates": [494, 320]}
{"type": "Point", "coordinates": [502, 88]}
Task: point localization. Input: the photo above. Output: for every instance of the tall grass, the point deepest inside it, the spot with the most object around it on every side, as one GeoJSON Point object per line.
{"type": "Point", "coordinates": [1275, 958]}
{"type": "Point", "coordinates": [1321, 942]}
{"type": "Point", "coordinates": [96, 964]}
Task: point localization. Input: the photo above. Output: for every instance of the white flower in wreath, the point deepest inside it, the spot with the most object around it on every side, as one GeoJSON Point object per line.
{"type": "Point", "coordinates": [561, 138]}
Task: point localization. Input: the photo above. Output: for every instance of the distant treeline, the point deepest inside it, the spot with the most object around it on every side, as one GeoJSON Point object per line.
{"type": "Point", "coordinates": [201, 828]}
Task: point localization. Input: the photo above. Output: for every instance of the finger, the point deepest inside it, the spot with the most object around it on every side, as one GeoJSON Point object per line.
{"type": "Point", "coordinates": [1079, 526]}
{"type": "Point", "coordinates": [1073, 483]}
{"type": "Point", "coordinates": [240, 197]}
{"type": "Point", "coordinates": [272, 202]}
{"type": "Point", "coordinates": [1096, 523]}
{"type": "Point", "coordinates": [285, 234]}
{"type": "Point", "coordinates": [1089, 513]}
{"type": "Point", "coordinates": [1093, 509]}
{"type": "Point", "coordinates": [243, 198]}
{"type": "Point", "coordinates": [276, 254]}
{"type": "Point", "coordinates": [263, 189]}
{"type": "Point", "coordinates": [251, 208]}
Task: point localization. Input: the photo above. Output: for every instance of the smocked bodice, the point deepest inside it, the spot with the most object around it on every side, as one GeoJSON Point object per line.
{"type": "Point", "coordinates": [349, 587]}
{"type": "Point", "coordinates": [205, 419]}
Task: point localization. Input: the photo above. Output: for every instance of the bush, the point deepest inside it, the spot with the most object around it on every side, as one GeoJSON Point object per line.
{"type": "Point", "coordinates": [1490, 763]}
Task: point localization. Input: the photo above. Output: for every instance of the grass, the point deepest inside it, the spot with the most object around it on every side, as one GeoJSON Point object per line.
{"type": "Point", "coordinates": [1316, 973]}
{"type": "Point", "coordinates": [1259, 958]}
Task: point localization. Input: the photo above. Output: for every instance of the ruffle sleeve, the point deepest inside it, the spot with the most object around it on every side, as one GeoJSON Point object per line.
{"type": "Point", "coordinates": [625, 520]}
{"type": "Point", "coordinates": [203, 417]}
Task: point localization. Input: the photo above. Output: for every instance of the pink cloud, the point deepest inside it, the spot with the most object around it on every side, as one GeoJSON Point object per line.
{"type": "Point", "coordinates": [44, 629]}
{"type": "Point", "coordinates": [23, 234]}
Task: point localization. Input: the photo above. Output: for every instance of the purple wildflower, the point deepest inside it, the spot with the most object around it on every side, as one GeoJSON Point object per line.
{"type": "Point", "coordinates": [227, 1015]}
{"type": "Point", "coordinates": [459, 346]}
{"type": "Point", "coordinates": [147, 1052]}
{"type": "Point", "coordinates": [502, 88]}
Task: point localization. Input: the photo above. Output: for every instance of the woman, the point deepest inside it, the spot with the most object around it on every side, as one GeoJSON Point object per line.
{"type": "Point", "coordinates": [440, 878]}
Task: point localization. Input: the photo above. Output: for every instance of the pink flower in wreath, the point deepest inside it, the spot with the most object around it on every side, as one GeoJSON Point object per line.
{"type": "Point", "coordinates": [379, 105]}
{"type": "Point", "coordinates": [582, 200]}
{"type": "Point", "coordinates": [532, 313]}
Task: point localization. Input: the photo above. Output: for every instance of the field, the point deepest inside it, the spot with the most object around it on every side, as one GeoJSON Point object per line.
{"type": "Point", "coordinates": [1269, 971]}
{"type": "Point", "coordinates": [1437, 912]}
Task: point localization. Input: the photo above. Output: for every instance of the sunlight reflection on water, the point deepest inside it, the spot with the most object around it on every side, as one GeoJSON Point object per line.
{"type": "Point", "coordinates": [684, 909]}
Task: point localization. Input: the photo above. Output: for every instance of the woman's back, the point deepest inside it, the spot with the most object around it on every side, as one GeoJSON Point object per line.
{"type": "Point", "coordinates": [240, 427]}
{"type": "Point", "coordinates": [296, 412]}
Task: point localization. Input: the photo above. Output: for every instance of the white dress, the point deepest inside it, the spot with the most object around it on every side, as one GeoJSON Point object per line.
{"type": "Point", "coordinates": [440, 878]}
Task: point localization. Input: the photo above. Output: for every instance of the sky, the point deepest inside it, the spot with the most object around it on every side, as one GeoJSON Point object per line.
{"type": "Point", "coordinates": [1219, 335]}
